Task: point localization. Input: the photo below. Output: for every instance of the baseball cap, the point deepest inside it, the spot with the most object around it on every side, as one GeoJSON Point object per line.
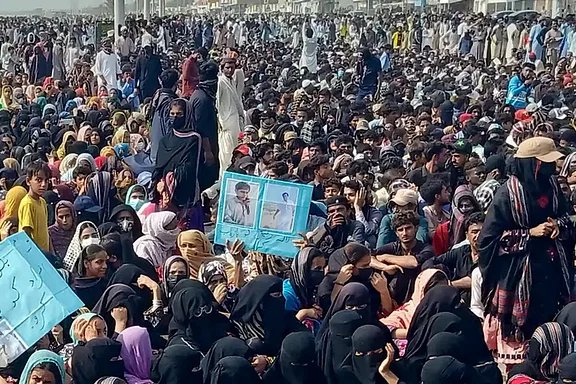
{"type": "Point", "coordinates": [462, 146]}
{"type": "Point", "coordinates": [532, 107]}
{"type": "Point", "coordinates": [404, 197]}
{"type": "Point", "coordinates": [243, 149]}
{"type": "Point", "coordinates": [541, 148]}
{"type": "Point", "coordinates": [86, 204]}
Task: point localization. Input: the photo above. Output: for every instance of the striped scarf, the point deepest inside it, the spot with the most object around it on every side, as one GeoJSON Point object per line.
{"type": "Point", "coordinates": [554, 341]}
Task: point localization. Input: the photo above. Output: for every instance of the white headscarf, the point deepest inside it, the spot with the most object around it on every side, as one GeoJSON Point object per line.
{"type": "Point", "coordinates": [75, 247]}
{"type": "Point", "coordinates": [157, 242]}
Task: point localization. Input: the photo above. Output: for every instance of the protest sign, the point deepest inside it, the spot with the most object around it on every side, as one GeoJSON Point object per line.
{"type": "Point", "coordinates": [265, 214]}
{"type": "Point", "coordinates": [35, 297]}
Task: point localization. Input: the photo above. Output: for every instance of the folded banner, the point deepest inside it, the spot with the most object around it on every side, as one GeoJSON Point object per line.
{"type": "Point", "coordinates": [35, 298]}
{"type": "Point", "coordinates": [266, 214]}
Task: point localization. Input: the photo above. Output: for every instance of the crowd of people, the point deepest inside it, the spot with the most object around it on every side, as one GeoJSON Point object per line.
{"type": "Point", "coordinates": [441, 152]}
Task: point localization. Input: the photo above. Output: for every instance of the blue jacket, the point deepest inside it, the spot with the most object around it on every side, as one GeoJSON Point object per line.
{"type": "Point", "coordinates": [517, 93]}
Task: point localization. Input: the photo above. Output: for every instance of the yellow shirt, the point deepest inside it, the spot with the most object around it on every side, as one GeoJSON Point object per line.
{"type": "Point", "coordinates": [33, 214]}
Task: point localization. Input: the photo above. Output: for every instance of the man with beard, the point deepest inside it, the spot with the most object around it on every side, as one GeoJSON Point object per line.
{"type": "Point", "coordinates": [230, 111]}
{"type": "Point", "coordinates": [520, 86]}
{"type": "Point", "coordinates": [460, 155]}
{"type": "Point", "coordinates": [459, 262]}
{"type": "Point", "coordinates": [147, 72]}
{"type": "Point", "coordinates": [339, 229]}
{"type": "Point", "coordinates": [264, 155]}
{"type": "Point", "coordinates": [190, 68]}
{"type": "Point", "coordinates": [436, 155]}
{"type": "Point", "coordinates": [107, 67]}
{"type": "Point", "coordinates": [267, 124]}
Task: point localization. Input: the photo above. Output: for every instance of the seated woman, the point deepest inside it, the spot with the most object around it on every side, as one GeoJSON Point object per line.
{"type": "Point", "coordinates": [127, 218]}
{"type": "Point", "coordinates": [43, 366]}
{"type": "Point", "coordinates": [452, 232]}
{"type": "Point", "coordinates": [306, 274]}
{"type": "Point", "coordinates": [550, 343]}
{"type": "Point", "coordinates": [160, 234]}
{"type": "Point", "coordinates": [399, 321]}
{"type": "Point", "coordinates": [259, 316]}
{"type": "Point", "coordinates": [89, 274]}
{"type": "Point", "coordinates": [85, 235]}
{"type": "Point", "coordinates": [213, 275]}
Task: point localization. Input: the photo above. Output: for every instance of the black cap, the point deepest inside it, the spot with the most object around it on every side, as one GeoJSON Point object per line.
{"type": "Point", "coordinates": [462, 146]}
{"type": "Point", "coordinates": [86, 204]}
{"type": "Point", "coordinates": [337, 200]}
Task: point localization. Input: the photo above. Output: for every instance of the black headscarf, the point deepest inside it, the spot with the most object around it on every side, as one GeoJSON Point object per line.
{"type": "Point", "coordinates": [51, 199]}
{"type": "Point", "coordinates": [195, 318]}
{"type": "Point", "coordinates": [179, 152]}
{"type": "Point", "coordinates": [304, 281]}
{"type": "Point", "coordinates": [177, 364]}
{"type": "Point", "coordinates": [567, 316]}
{"type": "Point", "coordinates": [441, 311]}
{"type": "Point", "coordinates": [567, 369]}
{"type": "Point", "coordinates": [352, 295]}
{"type": "Point", "coordinates": [128, 274]}
{"type": "Point", "coordinates": [369, 338]}
{"type": "Point", "coordinates": [447, 344]}
{"type": "Point", "coordinates": [226, 346]}
{"type": "Point", "coordinates": [337, 260]}
{"type": "Point", "coordinates": [259, 314]}
{"type": "Point", "coordinates": [136, 230]}
{"type": "Point", "coordinates": [448, 370]}
{"type": "Point", "coordinates": [457, 346]}
{"type": "Point", "coordinates": [97, 358]}
{"type": "Point", "coordinates": [116, 296]}
{"type": "Point", "coordinates": [336, 344]}
{"type": "Point", "coordinates": [296, 363]}
{"type": "Point", "coordinates": [234, 370]}
{"type": "Point", "coordinates": [438, 299]}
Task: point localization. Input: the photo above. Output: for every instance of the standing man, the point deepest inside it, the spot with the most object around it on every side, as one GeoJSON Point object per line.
{"type": "Point", "coordinates": [107, 66]}
{"type": "Point", "coordinates": [190, 69]}
{"type": "Point", "coordinates": [58, 66]}
{"type": "Point", "coordinates": [369, 75]}
{"type": "Point", "coordinates": [125, 45]}
{"type": "Point", "coordinates": [230, 112]}
{"type": "Point", "coordinates": [203, 101]}
{"type": "Point", "coordinates": [148, 69]}
{"type": "Point", "coordinates": [520, 87]}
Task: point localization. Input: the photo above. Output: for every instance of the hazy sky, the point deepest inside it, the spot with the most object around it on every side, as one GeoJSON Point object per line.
{"type": "Point", "coordinates": [24, 5]}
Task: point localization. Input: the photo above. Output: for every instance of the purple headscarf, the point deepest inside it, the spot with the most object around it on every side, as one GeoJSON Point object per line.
{"type": "Point", "coordinates": [137, 355]}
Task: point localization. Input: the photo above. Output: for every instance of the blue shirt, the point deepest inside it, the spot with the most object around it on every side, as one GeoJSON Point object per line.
{"type": "Point", "coordinates": [372, 69]}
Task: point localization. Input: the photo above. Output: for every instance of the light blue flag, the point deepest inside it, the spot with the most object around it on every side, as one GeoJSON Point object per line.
{"type": "Point", "coordinates": [35, 298]}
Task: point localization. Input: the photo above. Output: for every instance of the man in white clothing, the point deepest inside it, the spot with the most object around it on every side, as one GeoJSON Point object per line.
{"type": "Point", "coordinates": [124, 45]}
{"type": "Point", "coordinates": [230, 112]}
{"type": "Point", "coordinates": [107, 66]}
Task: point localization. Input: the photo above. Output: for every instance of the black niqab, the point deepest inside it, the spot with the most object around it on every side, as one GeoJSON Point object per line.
{"type": "Point", "coordinates": [195, 318]}
{"type": "Point", "coordinates": [226, 346]}
{"type": "Point", "coordinates": [234, 370]}
{"type": "Point", "coordinates": [97, 358]}
{"type": "Point", "coordinates": [177, 364]}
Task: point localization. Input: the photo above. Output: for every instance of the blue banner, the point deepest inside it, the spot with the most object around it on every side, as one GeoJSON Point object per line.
{"type": "Point", "coordinates": [35, 298]}
{"type": "Point", "coordinates": [265, 214]}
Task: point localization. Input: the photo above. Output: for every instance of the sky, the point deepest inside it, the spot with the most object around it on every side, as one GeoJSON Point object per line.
{"type": "Point", "coordinates": [26, 5]}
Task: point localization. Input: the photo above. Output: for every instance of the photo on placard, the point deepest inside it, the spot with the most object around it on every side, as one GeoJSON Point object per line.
{"type": "Point", "coordinates": [240, 202]}
{"type": "Point", "coordinates": [279, 207]}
